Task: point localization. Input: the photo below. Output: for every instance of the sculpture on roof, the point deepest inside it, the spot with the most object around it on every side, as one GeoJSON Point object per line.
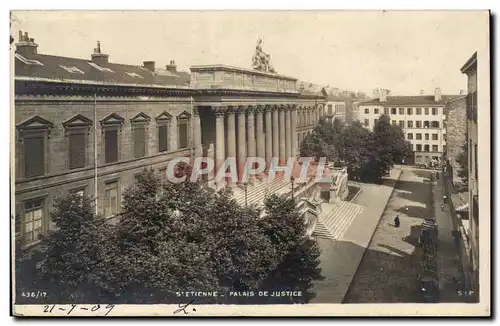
{"type": "Point", "coordinates": [262, 61]}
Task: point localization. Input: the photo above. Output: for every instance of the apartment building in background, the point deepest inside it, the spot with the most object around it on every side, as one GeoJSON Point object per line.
{"type": "Point", "coordinates": [422, 118]}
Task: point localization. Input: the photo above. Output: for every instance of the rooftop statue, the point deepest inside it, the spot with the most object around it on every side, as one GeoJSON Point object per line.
{"type": "Point", "coordinates": [262, 61]}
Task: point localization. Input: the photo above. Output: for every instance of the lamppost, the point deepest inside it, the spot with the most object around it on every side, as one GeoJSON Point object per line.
{"type": "Point", "coordinates": [292, 179]}
{"type": "Point", "coordinates": [245, 188]}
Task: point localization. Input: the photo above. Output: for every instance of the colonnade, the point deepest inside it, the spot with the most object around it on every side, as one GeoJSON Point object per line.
{"type": "Point", "coordinates": [265, 131]}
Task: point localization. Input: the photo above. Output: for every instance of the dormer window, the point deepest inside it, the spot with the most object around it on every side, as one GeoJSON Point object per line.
{"type": "Point", "coordinates": [73, 70]}
{"type": "Point", "coordinates": [133, 74]}
{"type": "Point", "coordinates": [99, 67]}
{"type": "Point", "coordinates": [28, 61]}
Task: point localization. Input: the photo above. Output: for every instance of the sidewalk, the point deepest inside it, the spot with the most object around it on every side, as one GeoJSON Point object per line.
{"type": "Point", "coordinates": [448, 257]}
{"type": "Point", "coordinates": [340, 259]}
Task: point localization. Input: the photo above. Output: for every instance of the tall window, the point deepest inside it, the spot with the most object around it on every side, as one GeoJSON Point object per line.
{"type": "Point", "coordinates": [163, 126]}
{"type": "Point", "coordinates": [111, 145]}
{"type": "Point", "coordinates": [426, 124]}
{"type": "Point", "coordinates": [426, 136]}
{"type": "Point", "coordinates": [393, 110]}
{"type": "Point", "coordinates": [111, 127]}
{"type": "Point", "coordinates": [366, 123]}
{"type": "Point", "coordinates": [183, 121]}
{"type": "Point", "coordinates": [34, 155]}
{"type": "Point", "coordinates": [402, 123]}
{"type": "Point", "coordinates": [111, 199]}
{"type": "Point", "coordinates": [394, 122]}
{"type": "Point", "coordinates": [367, 111]}
{"type": "Point", "coordinates": [76, 130]}
{"type": "Point", "coordinates": [435, 148]}
{"type": "Point", "coordinates": [401, 111]}
{"type": "Point", "coordinates": [418, 124]}
{"type": "Point", "coordinates": [77, 149]}
{"type": "Point", "coordinates": [419, 148]}
{"type": "Point", "coordinates": [410, 136]}
{"type": "Point", "coordinates": [435, 124]}
{"type": "Point", "coordinates": [33, 137]}
{"type": "Point", "coordinates": [139, 134]}
{"type": "Point", "coordinates": [426, 111]}
{"type": "Point", "coordinates": [418, 136]}
{"type": "Point", "coordinates": [435, 111]}
{"type": "Point", "coordinates": [375, 122]}
{"type": "Point", "coordinates": [410, 124]}
{"type": "Point", "coordinates": [444, 148]}
{"type": "Point", "coordinates": [386, 110]}
{"type": "Point", "coordinates": [409, 110]}
{"type": "Point", "coordinates": [426, 148]}
{"type": "Point", "coordinates": [32, 224]}
{"type": "Point", "coordinates": [418, 111]}
{"type": "Point", "coordinates": [376, 110]}
{"type": "Point", "coordinates": [330, 109]}
{"type": "Point", "coordinates": [434, 136]}
{"type": "Point", "coordinates": [444, 137]}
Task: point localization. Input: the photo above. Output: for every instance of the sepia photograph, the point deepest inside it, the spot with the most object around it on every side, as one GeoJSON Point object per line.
{"type": "Point", "coordinates": [196, 163]}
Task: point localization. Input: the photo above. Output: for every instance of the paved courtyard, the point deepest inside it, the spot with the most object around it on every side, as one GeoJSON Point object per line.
{"type": "Point", "coordinates": [389, 269]}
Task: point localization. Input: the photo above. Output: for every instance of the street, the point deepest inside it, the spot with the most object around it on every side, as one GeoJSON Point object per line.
{"type": "Point", "coordinates": [391, 264]}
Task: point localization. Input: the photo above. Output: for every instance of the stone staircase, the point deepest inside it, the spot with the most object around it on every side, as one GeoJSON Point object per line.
{"type": "Point", "coordinates": [257, 192]}
{"type": "Point", "coordinates": [333, 225]}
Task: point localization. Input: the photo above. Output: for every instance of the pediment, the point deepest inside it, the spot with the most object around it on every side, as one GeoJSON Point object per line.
{"type": "Point", "coordinates": [35, 122]}
{"type": "Point", "coordinates": [141, 117]}
{"type": "Point", "coordinates": [164, 116]}
{"type": "Point", "coordinates": [112, 119]}
{"type": "Point", "coordinates": [184, 115]}
{"type": "Point", "coordinates": [77, 121]}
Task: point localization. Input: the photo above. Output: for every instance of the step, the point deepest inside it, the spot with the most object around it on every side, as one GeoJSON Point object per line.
{"type": "Point", "coordinates": [334, 225]}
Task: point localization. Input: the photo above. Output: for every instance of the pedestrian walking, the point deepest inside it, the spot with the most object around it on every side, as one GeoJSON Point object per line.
{"type": "Point", "coordinates": [397, 222]}
{"type": "Point", "coordinates": [442, 206]}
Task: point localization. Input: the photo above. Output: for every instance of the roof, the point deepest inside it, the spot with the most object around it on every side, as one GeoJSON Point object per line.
{"type": "Point", "coordinates": [469, 64]}
{"type": "Point", "coordinates": [64, 68]}
{"type": "Point", "coordinates": [410, 100]}
{"type": "Point", "coordinates": [311, 89]}
{"type": "Point", "coordinates": [214, 67]}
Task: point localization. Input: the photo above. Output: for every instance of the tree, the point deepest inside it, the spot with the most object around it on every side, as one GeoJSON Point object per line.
{"type": "Point", "coordinates": [297, 255]}
{"type": "Point", "coordinates": [76, 253]}
{"type": "Point", "coordinates": [355, 149]}
{"type": "Point", "coordinates": [463, 161]}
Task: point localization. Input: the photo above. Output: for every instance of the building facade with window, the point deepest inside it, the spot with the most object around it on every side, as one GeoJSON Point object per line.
{"type": "Point", "coordinates": [422, 118]}
{"type": "Point", "coordinates": [456, 134]}
{"type": "Point", "coordinates": [90, 126]}
{"type": "Point", "coordinates": [470, 69]}
{"type": "Point", "coordinates": [335, 107]}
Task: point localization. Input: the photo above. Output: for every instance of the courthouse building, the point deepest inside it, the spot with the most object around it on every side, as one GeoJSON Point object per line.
{"type": "Point", "coordinates": [90, 126]}
{"type": "Point", "coordinates": [422, 118]}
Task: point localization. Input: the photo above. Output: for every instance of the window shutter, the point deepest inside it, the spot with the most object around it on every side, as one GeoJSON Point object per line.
{"type": "Point", "coordinates": [139, 142]}
{"type": "Point", "coordinates": [163, 138]}
{"type": "Point", "coordinates": [34, 156]}
{"type": "Point", "coordinates": [76, 150]}
{"type": "Point", "coordinates": [111, 154]}
{"type": "Point", "coordinates": [183, 135]}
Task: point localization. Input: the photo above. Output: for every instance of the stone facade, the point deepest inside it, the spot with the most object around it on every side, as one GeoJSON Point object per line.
{"type": "Point", "coordinates": [456, 128]}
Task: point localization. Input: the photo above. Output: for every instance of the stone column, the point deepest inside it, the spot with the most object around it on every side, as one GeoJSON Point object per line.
{"type": "Point", "coordinates": [252, 149]}
{"type": "Point", "coordinates": [293, 122]}
{"type": "Point", "coordinates": [276, 136]}
{"type": "Point", "coordinates": [219, 142]}
{"type": "Point", "coordinates": [259, 132]}
{"type": "Point", "coordinates": [242, 150]}
{"type": "Point", "coordinates": [282, 136]}
{"type": "Point", "coordinates": [288, 133]}
{"type": "Point", "coordinates": [198, 150]}
{"type": "Point", "coordinates": [231, 140]}
{"type": "Point", "coordinates": [269, 135]}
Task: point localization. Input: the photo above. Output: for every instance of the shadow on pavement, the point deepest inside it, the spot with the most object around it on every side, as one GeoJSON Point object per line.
{"type": "Point", "coordinates": [413, 191]}
{"type": "Point", "coordinates": [415, 211]}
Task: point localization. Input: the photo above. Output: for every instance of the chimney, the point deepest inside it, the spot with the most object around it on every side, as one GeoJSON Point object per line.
{"type": "Point", "coordinates": [26, 46]}
{"type": "Point", "coordinates": [462, 92]}
{"type": "Point", "coordinates": [376, 93]}
{"type": "Point", "coordinates": [98, 57]}
{"type": "Point", "coordinates": [383, 95]}
{"type": "Point", "coordinates": [437, 94]}
{"type": "Point", "coordinates": [149, 65]}
{"type": "Point", "coordinates": [172, 67]}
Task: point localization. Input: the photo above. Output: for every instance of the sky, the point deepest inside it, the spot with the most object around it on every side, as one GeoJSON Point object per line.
{"type": "Point", "coordinates": [405, 52]}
